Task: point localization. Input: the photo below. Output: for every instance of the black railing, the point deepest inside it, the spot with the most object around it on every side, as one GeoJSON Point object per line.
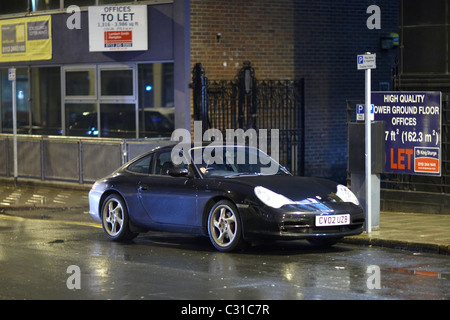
{"type": "Point", "coordinates": [247, 103]}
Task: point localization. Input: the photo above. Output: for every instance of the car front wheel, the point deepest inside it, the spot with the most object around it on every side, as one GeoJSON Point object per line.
{"type": "Point", "coordinates": [224, 226]}
{"type": "Point", "coordinates": [115, 219]}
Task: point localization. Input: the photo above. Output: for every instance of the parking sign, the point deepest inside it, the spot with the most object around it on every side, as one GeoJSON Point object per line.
{"type": "Point", "coordinates": [366, 61]}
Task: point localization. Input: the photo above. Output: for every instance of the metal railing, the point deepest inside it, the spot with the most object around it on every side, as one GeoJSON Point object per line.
{"type": "Point", "coordinates": [247, 103]}
{"type": "Point", "coordinates": [69, 159]}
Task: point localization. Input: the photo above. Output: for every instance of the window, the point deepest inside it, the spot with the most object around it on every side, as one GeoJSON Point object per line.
{"type": "Point", "coordinates": [18, 6]}
{"type": "Point", "coordinates": [104, 100]}
{"type": "Point", "coordinates": [141, 166]}
{"type": "Point", "coordinates": [7, 7]}
{"type": "Point", "coordinates": [44, 5]}
{"type": "Point", "coordinates": [156, 99]}
{"type": "Point", "coordinates": [46, 101]}
{"type": "Point", "coordinates": [81, 119]}
{"type": "Point", "coordinates": [163, 163]}
{"type": "Point", "coordinates": [80, 83]}
{"type": "Point", "coordinates": [42, 113]}
{"type": "Point", "coordinates": [100, 2]}
{"type": "Point", "coordinates": [80, 3]}
{"type": "Point", "coordinates": [22, 105]}
{"type": "Point", "coordinates": [117, 120]}
{"type": "Point", "coordinates": [116, 82]}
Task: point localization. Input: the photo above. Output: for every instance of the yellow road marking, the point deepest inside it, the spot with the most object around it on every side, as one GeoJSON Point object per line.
{"type": "Point", "coordinates": [86, 224]}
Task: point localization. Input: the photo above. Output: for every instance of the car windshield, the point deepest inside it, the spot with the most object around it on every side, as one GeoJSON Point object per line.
{"type": "Point", "coordinates": [233, 161]}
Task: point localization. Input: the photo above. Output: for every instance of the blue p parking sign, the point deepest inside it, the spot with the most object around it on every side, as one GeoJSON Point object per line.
{"type": "Point", "coordinates": [366, 61]}
{"type": "Point", "coordinates": [360, 112]}
{"type": "Point", "coordinates": [360, 59]}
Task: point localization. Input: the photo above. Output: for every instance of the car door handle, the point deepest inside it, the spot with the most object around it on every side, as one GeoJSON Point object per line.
{"type": "Point", "coordinates": [143, 187]}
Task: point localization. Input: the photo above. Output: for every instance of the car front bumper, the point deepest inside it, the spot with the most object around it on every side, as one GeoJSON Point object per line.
{"type": "Point", "coordinates": [291, 223]}
{"type": "Point", "coordinates": [94, 202]}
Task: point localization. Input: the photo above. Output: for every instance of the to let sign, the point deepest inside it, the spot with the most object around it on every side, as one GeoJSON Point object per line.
{"type": "Point", "coordinates": [413, 131]}
{"type": "Point", "coordinates": [118, 28]}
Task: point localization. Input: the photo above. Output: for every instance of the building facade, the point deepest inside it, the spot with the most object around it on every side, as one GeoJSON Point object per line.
{"type": "Point", "coordinates": [82, 92]}
{"type": "Point", "coordinates": [294, 39]}
{"type": "Point", "coordinates": [78, 91]}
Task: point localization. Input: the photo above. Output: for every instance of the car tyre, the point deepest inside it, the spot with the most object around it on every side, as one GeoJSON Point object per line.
{"type": "Point", "coordinates": [115, 219]}
{"type": "Point", "coordinates": [224, 226]}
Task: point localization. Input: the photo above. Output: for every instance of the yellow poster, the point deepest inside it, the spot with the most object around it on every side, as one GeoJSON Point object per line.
{"type": "Point", "coordinates": [26, 39]}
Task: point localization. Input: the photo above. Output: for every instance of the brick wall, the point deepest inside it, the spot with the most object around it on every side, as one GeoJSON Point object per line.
{"type": "Point", "coordinates": [292, 39]}
{"type": "Point", "coordinates": [258, 31]}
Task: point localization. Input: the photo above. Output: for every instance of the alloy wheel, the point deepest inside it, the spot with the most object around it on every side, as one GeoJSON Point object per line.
{"type": "Point", "coordinates": [224, 226]}
{"type": "Point", "coordinates": [113, 217]}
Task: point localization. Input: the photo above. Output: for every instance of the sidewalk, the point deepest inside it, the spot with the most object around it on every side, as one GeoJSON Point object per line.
{"type": "Point", "coordinates": [411, 231]}
{"type": "Point", "coordinates": [40, 196]}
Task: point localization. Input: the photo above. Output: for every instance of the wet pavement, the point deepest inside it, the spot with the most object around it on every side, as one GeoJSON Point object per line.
{"type": "Point", "coordinates": [50, 248]}
{"type": "Point", "coordinates": [41, 196]}
{"type": "Point", "coordinates": [412, 231]}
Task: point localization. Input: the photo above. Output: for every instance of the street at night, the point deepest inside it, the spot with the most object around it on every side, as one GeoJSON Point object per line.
{"type": "Point", "coordinates": [225, 158]}
{"type": "Point", "coordinates": [62, 254]}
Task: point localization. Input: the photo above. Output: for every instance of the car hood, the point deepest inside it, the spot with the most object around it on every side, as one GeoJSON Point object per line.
{"type": "Point", "coordinates": [293, 187]}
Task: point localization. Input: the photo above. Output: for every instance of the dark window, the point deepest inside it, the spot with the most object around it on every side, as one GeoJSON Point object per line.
{"type": "Point", "coordinates": [117, 82]}
{"type": "Point", "coordinates": [15, 6]}
{"type": "Point", "coordinates": [44, 5]}
{"type": "Point", "coordinates": [163, 162]}
{"type": "Point", "coordinates": [141, 166]}
{"type": "Point", "coordinates": [80, 83]}
{"type": "Point", "coordinates": [117, 120]}
{"type": "Point", "coordinates": [80, 3]}
{"type": "Point", "coordinates": [46, 100]}
{"type": "Point", "coordinates": [81, 119]}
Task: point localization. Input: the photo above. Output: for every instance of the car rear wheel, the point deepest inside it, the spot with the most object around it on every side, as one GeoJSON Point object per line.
{"type": "Point", "coordinates": [115, 219]}
{"type": "Point", "coordinates": [224, 226]}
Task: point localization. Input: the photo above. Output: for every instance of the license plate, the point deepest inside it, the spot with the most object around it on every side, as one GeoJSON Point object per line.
{"type": "Point", "coordinates": [335, 220]}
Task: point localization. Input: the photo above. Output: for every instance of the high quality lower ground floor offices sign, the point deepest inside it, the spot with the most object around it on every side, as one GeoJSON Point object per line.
{"type": "Point", "coordinates": [118, 28]}
{"type": "Point", "coordinates": [413, 130]}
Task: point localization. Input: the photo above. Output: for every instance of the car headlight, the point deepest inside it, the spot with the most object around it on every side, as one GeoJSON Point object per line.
{"type": "Point", "coordinates": [272, 199]}
{"type": "Point", "coordinates": [346, 195]}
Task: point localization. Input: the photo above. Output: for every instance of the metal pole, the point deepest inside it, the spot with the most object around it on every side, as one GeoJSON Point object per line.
{"type": "Point", "coordinates": [368, 145]}
{"type": "Point", "coordinates": [14, 115]}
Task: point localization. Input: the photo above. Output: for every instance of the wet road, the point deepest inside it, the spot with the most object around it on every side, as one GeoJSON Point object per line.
{"type": "Point", "coordinates": [49, 254]}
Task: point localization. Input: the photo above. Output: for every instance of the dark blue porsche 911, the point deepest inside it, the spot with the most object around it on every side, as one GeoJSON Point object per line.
{"type": "Point", "coordinates": [231, 194]}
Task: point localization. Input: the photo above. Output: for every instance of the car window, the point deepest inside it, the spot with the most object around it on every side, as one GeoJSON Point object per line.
{"type": "Point", "coordinates": [163, 162]}
{"type": "Point", "coordinates": [142, 165]}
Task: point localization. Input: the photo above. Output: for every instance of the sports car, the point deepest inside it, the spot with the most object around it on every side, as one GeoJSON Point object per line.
{"type": "Point", "coordinates": [231, 194]}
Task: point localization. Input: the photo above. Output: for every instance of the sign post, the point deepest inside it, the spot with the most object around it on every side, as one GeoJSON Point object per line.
{"type": "Point", "coordinates": [12, 78]}
{"type": "Point", "coordinates": [367, 62]}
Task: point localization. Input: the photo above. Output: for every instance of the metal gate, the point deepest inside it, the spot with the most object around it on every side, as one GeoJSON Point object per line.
{"type": "Point", "coordinates": [248, 103]}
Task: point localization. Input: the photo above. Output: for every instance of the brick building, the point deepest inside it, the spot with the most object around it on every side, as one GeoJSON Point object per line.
{"type": "Point", "coordinates": [294, 39]}
{"type": "Point", "coordinates": [283, 39]}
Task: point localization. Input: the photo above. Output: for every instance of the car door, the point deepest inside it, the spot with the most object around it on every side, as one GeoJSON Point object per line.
{"type": "Point", "coordinates": [168, 199]}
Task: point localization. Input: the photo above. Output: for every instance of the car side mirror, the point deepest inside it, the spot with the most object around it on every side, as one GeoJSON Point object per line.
{"type": "Point", "coordinates": [178, 172]}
